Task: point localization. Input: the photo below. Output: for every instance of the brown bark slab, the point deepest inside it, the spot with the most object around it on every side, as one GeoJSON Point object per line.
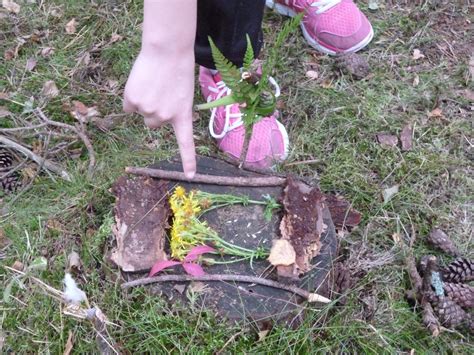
{"type": "Point", "coordinates": [141, 218]}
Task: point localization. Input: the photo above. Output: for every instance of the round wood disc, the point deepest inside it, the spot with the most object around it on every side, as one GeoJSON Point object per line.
{"type": "Point", "coordinates": [246, 226]}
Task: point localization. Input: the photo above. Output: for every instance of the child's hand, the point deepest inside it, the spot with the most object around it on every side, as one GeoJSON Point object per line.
{"type": "Point", "coordinates": [161, 88]}
{"type": "Point", "coordinates": [161, 84]}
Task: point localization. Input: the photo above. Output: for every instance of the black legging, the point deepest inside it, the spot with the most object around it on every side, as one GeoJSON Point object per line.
{"type": "Point", "coordinates": [227, 22]}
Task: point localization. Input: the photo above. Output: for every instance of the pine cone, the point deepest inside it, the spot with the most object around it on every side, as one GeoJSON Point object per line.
{"type": "Point", "coordinates": [6, 160]}
{"type": "Point", "coordinates": [460, 270]}
{"type": "Point", "coordinates": [462, 294]}
{"type": "Point", "coordinates": [440, 240]}
{"type": "Point", "coordinates": [10, 183]}
{"type": "Point", "coordinates": [449, 313]}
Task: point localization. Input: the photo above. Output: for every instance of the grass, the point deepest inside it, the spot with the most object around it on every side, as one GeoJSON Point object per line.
{"type": "Point", "coordinates": [335, 126]}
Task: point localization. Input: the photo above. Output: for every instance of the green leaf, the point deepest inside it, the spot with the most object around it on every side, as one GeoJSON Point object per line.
{"type": "Point", "coordinates": [229, 72]}
{"type": "Point", "coordinates": [249, 56]}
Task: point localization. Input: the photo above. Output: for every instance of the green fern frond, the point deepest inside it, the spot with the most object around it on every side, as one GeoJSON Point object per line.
{"type": "Point", "coordinates": [289, 27]}
{"type": "Point", "coordinates": [249, 54]}
{"type": "Point", "coordinates": [229, 72]}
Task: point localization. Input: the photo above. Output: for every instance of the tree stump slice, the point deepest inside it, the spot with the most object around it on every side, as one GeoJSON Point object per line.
{"type": "Point", "coordinates": [247, 227]}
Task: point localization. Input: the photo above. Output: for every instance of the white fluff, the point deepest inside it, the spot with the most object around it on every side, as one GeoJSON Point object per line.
{"type": "Point", "coordinates": [72, 293]}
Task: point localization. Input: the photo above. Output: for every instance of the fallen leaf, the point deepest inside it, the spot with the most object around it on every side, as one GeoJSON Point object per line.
{"type": "Point", "coordinates": [9, 54]}
{"type": "Point", "coordinates": [396, 238]}
{"type": "Point", "coordinates": [69, 344]}
{"type": "Point", "coordinates": [373, 5]}
{"type": "Point", "coordinates": [198, 287]}
{"type": "Point", "coordinates": [71, 27]}
{"type": "Point", "coordinates": [18, 265]}
{"type": "Point", "coordinates": [312, 74]}
{"type": "Point", "coordinates": [416, 80]}
{"type": "Point", "coordinates": [115, 38]}
{"type": "Point", "coordinates": [406, 137]}
{"type": "Point", "coordinates": [417, 54]}
{"type": "Point", "coordinates": [437, 112]}
{"type": "Point", "coordinates": [31, 64]}
{"type": "Point", "coordinates": [180, 288]}
{"type": "Point", "coordinates": [50, 89]}
{"type": "Point", "coordinates": [388, 140]}
{"type": "Point", "coordinates": [263, 334]}
{"type": "Point", "coordinates": [4, 112]}
{"type": "Point", "coordinates": [74, 262]}
{"type": "Point", "coordinates": [84, 59]}
{"type": "Point", "coordinates": [11, 6]}
{"type": "Point", "coordinates": [389, 193]}
{"type": "Point", "coordinates": [282, 253]}
{"type": "Point", "coordinates": [326, 84]}
{"type": "Point", "coordinates": [82, 113]}
{"type": "Point", "coordinates": [47, 51]}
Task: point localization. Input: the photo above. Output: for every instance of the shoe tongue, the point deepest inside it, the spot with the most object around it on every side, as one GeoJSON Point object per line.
{"type": "Point", "coordinates": [217, 77]}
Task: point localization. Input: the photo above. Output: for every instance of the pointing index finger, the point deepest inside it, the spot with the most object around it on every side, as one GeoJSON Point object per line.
{"type": "Point", "coordinates": [183, 129]}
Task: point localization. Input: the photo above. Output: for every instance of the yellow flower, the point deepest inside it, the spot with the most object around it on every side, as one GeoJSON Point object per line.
{"type": "Point", "coordinates": [180, 192]}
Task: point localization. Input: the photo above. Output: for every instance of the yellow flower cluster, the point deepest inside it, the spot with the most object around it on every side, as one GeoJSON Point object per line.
{"type": "Point", "coordinates": [185, 207]}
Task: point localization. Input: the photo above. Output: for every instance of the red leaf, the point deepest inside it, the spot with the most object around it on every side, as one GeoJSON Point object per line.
{"type": "Point", "coordinates": [160, 265]}
{"type": "Point", "coordinates": [197, 251]}
{"type": "Point", "coordinates": [193, 269]}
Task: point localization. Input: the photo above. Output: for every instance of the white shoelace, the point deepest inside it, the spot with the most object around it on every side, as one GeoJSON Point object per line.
{"type": "Point", "coordinates": [222, 90]}
{"type": "Point", "coordinates": [324, 5]}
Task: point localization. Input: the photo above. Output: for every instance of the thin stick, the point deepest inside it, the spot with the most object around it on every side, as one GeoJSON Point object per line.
{"type": "Point", "coordinates": [78, 131]}
{"type": "Point", "coordinates": [311, 297]}
{"type": "Point", "coordinates": [36, 158]}
{"type": "Point", "coordinates": [208, 179]}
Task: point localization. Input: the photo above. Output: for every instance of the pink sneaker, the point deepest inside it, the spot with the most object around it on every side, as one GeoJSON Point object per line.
{"type": "Point", "coordinates": [330, 26]}
{"type": "Point", "coordinates": [269, 142]}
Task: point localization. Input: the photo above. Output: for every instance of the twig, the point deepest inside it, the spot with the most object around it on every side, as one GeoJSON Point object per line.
{"type": "Point", "coordinates": [36, 158]}
{"type": "Point", "coordinates": [208, 179]}
{"type": "Point", "coordinates": [75, 129]}
{"type": "Point", "coordinates": [311, 297]}
{"type": "Point", "coordinates": [17, 129]}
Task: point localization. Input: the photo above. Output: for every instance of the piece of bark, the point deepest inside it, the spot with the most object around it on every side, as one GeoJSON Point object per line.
{"type": "Point", "coordinates": [343, 215]}
{"type": "Point", "coordinates": [141, 218]}
{"type": "Point", "coordinates": [302, 225]}
{"type": "Point", "coordinates": [406, 137]}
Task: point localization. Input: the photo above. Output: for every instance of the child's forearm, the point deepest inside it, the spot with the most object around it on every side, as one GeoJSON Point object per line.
{"type": "Point", "coordinates": [169, 25]}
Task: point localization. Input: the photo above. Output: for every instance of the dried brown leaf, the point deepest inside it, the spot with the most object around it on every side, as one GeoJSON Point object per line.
{"type": "Point", "coordinates": [47, 51]}
{"type": "Point", "coordinates": [11, 6]}
{"type": "Point", "coordinates": [437, 112]}
{"type": "Point", "coordinates": [312, 74]}
{"type": "Point", "coordinates": [74, 262]}
{"type": "Point", "coordinates": [82, 113]}
{"type": "Point", "coordinates": [71, 27]}
{"type": "Point", "coordinates": [388, 140]}
{"type": "Point", "coordinates": [262, 334]}
{"type": "Point", "coordinates": [50, 89]}
{"type": "Point", "coordinates": [416, 80]}
{"type": "Point", "coordinates": [9, 54]}
{"type": "Point", "coordinates": [417, 54]}
{"type": "Point", "coordinates": [282, 253]}
{"type": "Point", "coordinates": [4, 112]}
{"type": "Point", "coordinates": [389, 193]}
{"type": "Point", "coordinates": [31, 64]}
{"type": "Point", "coordinates": [18, 265]}
{"type": "Point", "coordinates": [115, 38]}
{"type": "Point", "coordinates": [326, 84]}
{"type": "Point", "coordinates": [406, 137]}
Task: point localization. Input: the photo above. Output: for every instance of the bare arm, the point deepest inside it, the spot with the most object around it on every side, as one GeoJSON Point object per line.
{"type": "Point", "coordinates": [161, 83]}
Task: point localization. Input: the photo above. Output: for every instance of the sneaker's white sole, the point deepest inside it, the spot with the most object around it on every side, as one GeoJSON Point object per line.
{"type": "Point", "coordinates": [286, 11]}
